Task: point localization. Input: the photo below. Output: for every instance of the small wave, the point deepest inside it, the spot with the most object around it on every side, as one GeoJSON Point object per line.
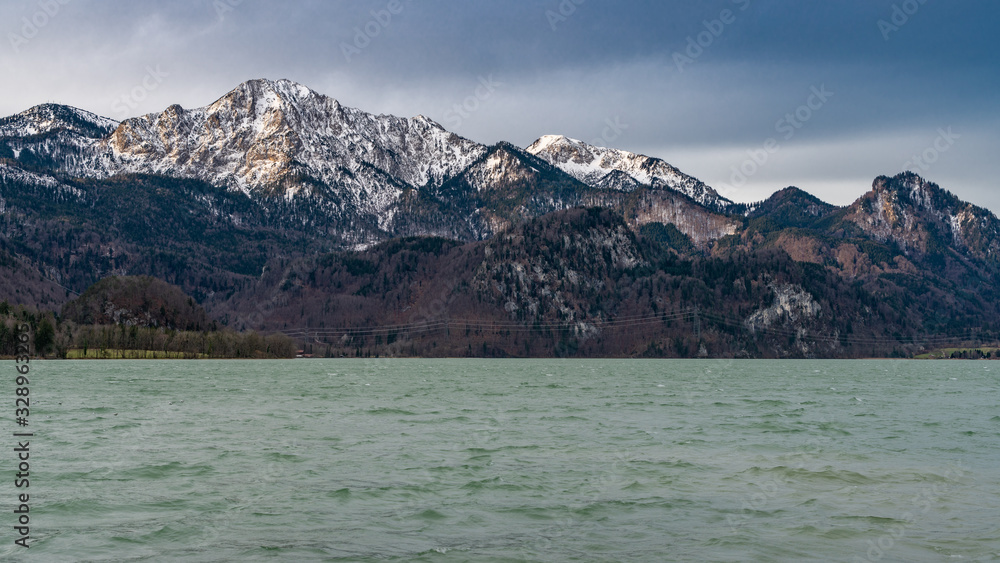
{"type": "Point", "coordinates": [520, 447]}
{"type": "Point", "coordinates": [570, 417]}
{"type": "Point", "coordinates": [153, 471]}
{"type": "Point", "coordinates": [874, 522]}
{"type": "Point", "coordinates": [127, 540]}
{"type": "Point", "coordinates": [775, 427]}
{"type": "Point", "coordinates": [491, 483]}
{"type": "Point", "coordinates": [459, 418]}
{"type": "Point", "coordinates": [77, 508]}
{"type": "Point", "coordinates": [340, 494]}
{"type": "Point", "coordinates": [389, 410]}
{"type": "Point", "coordinates": [278, 456]}
{"type": "Point", "coordinates": [831, 428]}
{"type": "Point", "coordinates": [833, 476]}
{"type": "Point", "coordinates": [430, 514]}
{"type": "Point", "coordinates": [166, 533]}
{"type": "Point", "coordinates": [766, 402]}
{"type": "Point", "coordinates": [842, 533]}
{"type": "Point", "coordinates": [672, 464]}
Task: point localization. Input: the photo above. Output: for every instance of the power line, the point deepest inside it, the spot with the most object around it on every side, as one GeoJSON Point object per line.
{"type": "Point", "coordinates": [694, 315]}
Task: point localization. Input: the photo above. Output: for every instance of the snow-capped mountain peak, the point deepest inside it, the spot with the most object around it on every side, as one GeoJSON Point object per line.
{"type": "Point", "coordinates": [373, 176]}
{"type": "Point", "coordinates": [281, 136]}
{"type": "Point", "coordinates": [54, 136]}
{"type": "Point", "coordinates": [46, 118]}
{"type": "Point", "coordinates": [546, 141]}
{"type": "Point", "coordinates": [594, 166]}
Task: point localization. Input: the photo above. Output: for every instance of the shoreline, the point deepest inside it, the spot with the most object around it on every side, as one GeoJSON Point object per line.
{"type": "Point", "coordinates": [205, 357]}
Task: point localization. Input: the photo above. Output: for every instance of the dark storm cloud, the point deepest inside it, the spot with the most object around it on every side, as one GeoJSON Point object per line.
{"type": "Point", "coordinates": [700, 84]}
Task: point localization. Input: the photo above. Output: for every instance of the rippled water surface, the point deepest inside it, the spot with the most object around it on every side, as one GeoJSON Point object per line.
{"type": "Point", "coordinates": [512, 460]}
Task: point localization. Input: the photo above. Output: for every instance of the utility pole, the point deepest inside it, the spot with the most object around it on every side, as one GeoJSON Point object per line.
{"type": "Point", "coordinates": [697, 325]}
{"type": "Point", "coordinates": [702, 351]}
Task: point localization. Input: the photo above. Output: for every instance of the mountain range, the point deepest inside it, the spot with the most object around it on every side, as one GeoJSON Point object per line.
{"type": "Point", "coordinates": [278, 208]}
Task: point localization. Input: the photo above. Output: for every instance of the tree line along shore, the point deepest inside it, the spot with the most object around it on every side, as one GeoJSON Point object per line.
{"type": "Point", "coordinates": [54, 336]}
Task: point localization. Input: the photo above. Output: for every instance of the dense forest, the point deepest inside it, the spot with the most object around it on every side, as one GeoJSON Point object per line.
{"type": "Point", "coordinates": [139, 317]}
{"type": "Point", "coordinates": [581, 283]}
{"type": "Point", "coordinates": [356, 235]}
{"type": "Point", "coordinates": [179, 266]}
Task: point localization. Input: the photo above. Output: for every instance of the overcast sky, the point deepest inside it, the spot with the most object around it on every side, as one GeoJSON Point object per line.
{"type": "Point", "coordinates": [750, 96]}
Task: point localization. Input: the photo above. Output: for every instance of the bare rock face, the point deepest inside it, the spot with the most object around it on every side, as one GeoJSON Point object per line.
{"type": "Point", "coordinates": [793, 310]}
{"type": "Point", "coordinates": [791, 303]}
{"type": "Point", "coordinates": [697, 222]}
{"type": "Point", "coordinates": [922, 218]}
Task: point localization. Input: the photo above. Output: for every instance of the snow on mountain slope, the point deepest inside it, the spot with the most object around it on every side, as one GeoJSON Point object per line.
{"type": "Point", "coordinates": [281, 137]}
{"type": "Point", "coordinates": [367, 176]}
{"type": "Point", "coordinates": [54, 136]}
{"type": "Point", "coordinates": [46, 118]}
{"type": "Point", "coordinates": [16, 175]}
{"type": "Point", "coordinates": [613, 169]}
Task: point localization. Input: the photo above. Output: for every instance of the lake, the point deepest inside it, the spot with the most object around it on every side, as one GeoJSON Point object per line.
{"type": "Point", "coordinates": [510, 460]}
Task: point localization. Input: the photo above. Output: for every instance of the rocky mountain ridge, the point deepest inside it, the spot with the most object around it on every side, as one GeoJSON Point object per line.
{"type": "Point", "coordinates": [278, 209]}
{"type": "Point", "coordinates": [615, 169]}
{"type": "Point", "coordinates": [281, 136]}
{"type": "Point", "coordinates": [272, 139]}
{"type": "Point", "coordinates": [52, 137]}
{"type": "Point", "coordinates": [921, 217]}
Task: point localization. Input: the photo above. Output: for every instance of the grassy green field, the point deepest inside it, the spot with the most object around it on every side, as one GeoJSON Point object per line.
{"type": "Point", "coordinates": [96, 354]}
{"type": "Point", "coordinates": [970, 353]}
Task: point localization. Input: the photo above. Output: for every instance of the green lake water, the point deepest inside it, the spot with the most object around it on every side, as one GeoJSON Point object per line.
{"type": "Point", "coordinates": [509, 460]}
